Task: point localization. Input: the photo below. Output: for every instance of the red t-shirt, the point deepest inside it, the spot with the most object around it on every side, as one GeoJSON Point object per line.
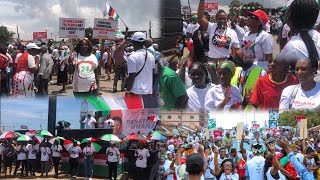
{"type": "Point", "coordinates": [241, 168]}
{"type": "Point", "coordinates": [267, 93]}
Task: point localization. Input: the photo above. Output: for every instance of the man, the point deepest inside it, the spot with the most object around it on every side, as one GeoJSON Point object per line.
{"type": "Point", "coordinates": [46, 64]}
{"type": "Point", "coordinates": [248, 155]}
{"type": "Point", "coordinates": [119, 63]}
{"type": "Point", "coordinates": [117, 129]}
{"type": "Point", "coordinates": [140, 67]}
{"type": "Point", "coordinates": [89, 152]}
{"type": "Point", "coordinates": [192, 27]}
{"type": "Point", "coordinates": [32, 150]}
{"type": "Point", "coordinates": [90, 122]}
{"type": "Point", "coordinates": [56, 156]}
{"type": "Point", "coordinates": [74, 152]}
{"type": "Point", "coordinates": [27, 66]}
{"type": "Point", "coordinates": [113, 154]}
{"type": "Point", "coordinates": [227, 141]}
{"type": "Point", "coordinates": [141, 163]}
{"type": "Point", "coordinates": [222, 155]}
{"type": "Point", "coordinates": [254, 167]}
{"type": "Point", "coordinates": [165, 170]}
{"type": "Point", "coordinates": [21, 158]}
{"type": "Point", "coordinates": [195, 166]}
{"type": "Point", "coordinates": [45, 155]}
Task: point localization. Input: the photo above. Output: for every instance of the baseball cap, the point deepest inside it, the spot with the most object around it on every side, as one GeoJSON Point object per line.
{"type": "Point", "coordinates": [311, 140]}
{"type": "Point", "coordinates": [194, 17]}
{"type": "Point", "coordinates": [32, 46]}
{"type": "Point", "coordinates": [263, 17]}
{"type": "Point", "coordinates": [194, 163]}
{"type": "Point", "coordinates": [138, 37]}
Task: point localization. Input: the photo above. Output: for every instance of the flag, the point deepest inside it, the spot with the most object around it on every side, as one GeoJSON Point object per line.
{"type": "Point", "coordinates": [152, 118]}
{"type": "Point", "coordinates": [112, 13]}
{"type": "Point", "coordinates": [211, 123]}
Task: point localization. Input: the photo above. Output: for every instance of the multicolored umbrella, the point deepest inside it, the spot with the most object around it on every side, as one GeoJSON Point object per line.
{"type": "Point", "coordinates": [138, 137]}
{"type": "Point", "coordinates": [9, 135]}
{"type": "Point", "coordinates": [69, 143]}
{"type": "Point", "coordinates": [44, 133]}
{"type": "Point", "coordinates": [24, 138]}
{"type": "Point", "coordinates": [30, 132]}
{"type": "Point", "coordinates": [110, 137]}
{"type": "Point", "coordinates": [85, 140]}
{"type": "Point", "coordinates": [158, 136]}
{"type": "Point", "coordinates": [38, 137]}
{"type": "Point", "coordinates": [58, 138]}
{"type": "Point", "coordinates": [95, 146]}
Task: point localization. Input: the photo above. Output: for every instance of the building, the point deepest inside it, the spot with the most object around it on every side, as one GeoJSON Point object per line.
{"type": "Point", "coordinates": [183, 118]}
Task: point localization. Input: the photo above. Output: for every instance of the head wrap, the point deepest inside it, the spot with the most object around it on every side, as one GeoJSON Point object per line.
{"type": "Point", "coordinates": [228, 64]}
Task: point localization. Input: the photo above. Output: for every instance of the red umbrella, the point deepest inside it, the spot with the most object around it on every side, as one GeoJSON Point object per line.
{"type": "Point", "coordinates": [9, 135]}
{"type": "Point", "coordinates": [138, 137]}
{"type": "Point", "coordinates": [69, 143]}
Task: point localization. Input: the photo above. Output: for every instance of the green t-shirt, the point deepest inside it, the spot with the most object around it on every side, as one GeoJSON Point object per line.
{"type": "Point", "coordinates": [171, 88]}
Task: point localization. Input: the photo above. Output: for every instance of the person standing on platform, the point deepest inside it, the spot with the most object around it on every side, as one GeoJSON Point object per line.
{"type": "Point", "coordinates": [89, 152]}
{"type": "Point", "coordinates": [113, 154]}
{"type": "Point", "coordinates": [90, 122]}
{"type": "Point", "coordinates": [74, 152]}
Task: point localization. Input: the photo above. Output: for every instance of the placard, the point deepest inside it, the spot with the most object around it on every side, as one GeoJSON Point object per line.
{"type": "Point", "coordinates": [211, 7]}
{"type": "Point", "coordinates": [212, 123]}
{"type": "Point", "coordinates": [104, 29]}
{"type": "Point", "coordinates": [39, 37]}
{"type": "Point", "coordinates": [71, 28]}
{"type": "Point", "coordinates": [217, 134]}
{"type": "Point", "coordinates": [303, 128]}
{"type": "Point", "coordinates": [240, 127]}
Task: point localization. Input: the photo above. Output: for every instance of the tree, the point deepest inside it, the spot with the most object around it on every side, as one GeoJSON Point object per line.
{"type": "Point", "coordinates": [233, 4]}
{"type": "Point", "coordinates": [289, 118]}
{"type": "Point", "coordinates": [252, 6]}
{"type": "Point", "coordinates": [5, 35]}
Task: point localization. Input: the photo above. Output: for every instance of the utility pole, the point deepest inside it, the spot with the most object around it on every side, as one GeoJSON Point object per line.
{"type": "Point", "coordinates": [55, 37]}
{"type": "Point", "coordinates": [150, 29]}
{"type": "Point", "coordinates": [51, 35]}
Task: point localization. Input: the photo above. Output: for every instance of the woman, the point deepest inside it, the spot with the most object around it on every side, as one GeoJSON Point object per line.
{"type": "Point", "coordinates": [272, 166]}
{"type": "Point", "coordinates": [301, 17]}
{"type": "Point", "coordinates": [306, 94]}
{"type": "Point", "coordinates": [226, 171]}
{"type": "Point", "coordinates": [224, 96]}
{"type": "Point", "coordinates": [267, 91]}
{"type": "Point", "coordinates": [8, 156]}
{"type": "Point", "coordinates": [201, 85]}
{"type": "Point", "coordinates": [84, 80]}
{"type": "Point", "coordinates": [56, 156]}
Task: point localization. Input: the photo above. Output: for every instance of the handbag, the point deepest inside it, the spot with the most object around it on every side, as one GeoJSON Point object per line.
{"type": "Point", "coordinates": [145, 60]}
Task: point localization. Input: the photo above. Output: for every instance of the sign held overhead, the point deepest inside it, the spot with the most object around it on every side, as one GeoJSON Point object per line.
{"type": "Point", "coordinates": [104, 29]}
{"type": "Point", "coordinates": [71, 28]}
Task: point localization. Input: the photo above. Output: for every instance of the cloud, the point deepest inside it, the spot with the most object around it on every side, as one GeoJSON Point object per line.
{"type": "Point", "coordinates": [34, 15]}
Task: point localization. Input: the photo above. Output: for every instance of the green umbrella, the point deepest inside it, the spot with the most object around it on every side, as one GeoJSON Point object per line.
{"type": "Point", "coordinates": [91, 139]}
{"type": "Point", "coordinates": [95, 146]}
{"type": "Point", "coordinates": [111, 137]}
{"type": "Point", "coordinates": [24, 138]}
{"type": "Point", "coordinates": [44, 133]}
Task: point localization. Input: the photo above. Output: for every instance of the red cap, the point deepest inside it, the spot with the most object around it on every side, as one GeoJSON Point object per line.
{"type": "Point", "coordinates": [261, 15]}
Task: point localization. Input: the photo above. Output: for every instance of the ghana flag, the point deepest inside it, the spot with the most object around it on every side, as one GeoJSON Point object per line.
{"type": "Point", "coordinates": [111, 12]}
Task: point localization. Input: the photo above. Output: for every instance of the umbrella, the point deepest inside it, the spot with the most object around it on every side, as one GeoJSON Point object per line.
{"type": "Point", "coordinates": [85, 140]}
{"type": "Point", "coordinates": [157, 136]}
{"type": "Point", "coordinates": [58, 138]}
{"type": "Point", "coordinates": [69, 143]}
{"type": "Point", "coordinates": [24, 138]}
{"type": "Point", "coordinates": [9, 135]}
{"type": "Point", "coordinates": [138, 137]}
{"type": "Point", "coordinates": [30, 132]}
{"type": "Point", "coordinates": [38, 137]}
{"type": "Point", "coordinates": [44, 133]}
{"type": "Point", "coordinates": [111, 137]}
{"type": "Point", "coordinates": [95, 146]}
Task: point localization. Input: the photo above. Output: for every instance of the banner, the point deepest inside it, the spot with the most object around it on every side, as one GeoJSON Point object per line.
{"type": "Point", "coordinates": [104, 29]}
{"type": "Point", "coordinates": [133, 121]}
{"type": "Point", "coordinates": [71, 28]}
{"type": "Point", "coordinates": [39, 37]}
{"type": "Point", "coordinates": [217, 134]}
{"type": "Point", "coordinates": [240, 127]}
{"type": "Point", "coordinates": [212, 123]}
{"type": "Point", "coordinates": [211, 7]}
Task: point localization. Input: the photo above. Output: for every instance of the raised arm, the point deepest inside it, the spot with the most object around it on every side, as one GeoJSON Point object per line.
{"type": "Point", "coordinates": [201, 20]}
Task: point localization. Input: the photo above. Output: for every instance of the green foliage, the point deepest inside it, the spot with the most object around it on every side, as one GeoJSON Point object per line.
{"type": "Point", "coordinates": [289, 118]}
{"type": "Point", "coordinates": [233, 4]}
{"type": "Point", "coordinates": [6, 35]}
{"type": "Point", "coordinates": [252, 6]}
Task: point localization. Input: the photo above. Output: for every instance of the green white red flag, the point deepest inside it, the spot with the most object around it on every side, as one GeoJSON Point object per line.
{"type": "Point", "coordinates": [111, 12]}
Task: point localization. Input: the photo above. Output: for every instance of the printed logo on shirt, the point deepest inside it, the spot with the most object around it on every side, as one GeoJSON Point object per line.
{"type": "Point", "coordinates": [140, 157]}
{"type": "Point", "coordinates": [72, 152]}
{"type": "Point", "coordinates": [248, 49]}
{"type": "Point", "coordinates": [221, 41]}
{"type": "Point", "coordinates": [110, 153]}
{"type": "Point", "coordinates": [304, 104]}
{"type": "Point", "coordinates": [44, 153]}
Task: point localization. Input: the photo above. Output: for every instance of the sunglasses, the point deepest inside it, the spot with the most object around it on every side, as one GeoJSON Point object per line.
{"type": "Point", "coordinates": [227, 165]}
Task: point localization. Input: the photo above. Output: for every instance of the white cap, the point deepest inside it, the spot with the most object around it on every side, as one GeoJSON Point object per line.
{"type": "Point", "coordinates": [138, 37]}
{"type": "Point", "coordinates": [32, 46]}
{"type": "Point", "coordinates": [112, 142]}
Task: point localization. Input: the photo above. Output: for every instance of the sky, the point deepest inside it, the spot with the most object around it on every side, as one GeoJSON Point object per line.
{"type": "Point", "coordinates": [33, 112]}
{"type": "Point", "coordinates": [40, 15]}
{"type": "Point", "coordinates": [265, 3]}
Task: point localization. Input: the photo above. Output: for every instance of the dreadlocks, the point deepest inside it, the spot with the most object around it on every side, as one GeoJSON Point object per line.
{"type": "Point", "coordinates": [303, 14]}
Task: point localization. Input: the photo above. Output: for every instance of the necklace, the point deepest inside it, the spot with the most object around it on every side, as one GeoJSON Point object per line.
{"type": "Point", "coordinates": [278, 83]}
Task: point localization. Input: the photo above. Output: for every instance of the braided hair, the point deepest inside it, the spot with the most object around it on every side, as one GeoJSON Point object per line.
{"type": "Point", "coordinates": [303, 14]}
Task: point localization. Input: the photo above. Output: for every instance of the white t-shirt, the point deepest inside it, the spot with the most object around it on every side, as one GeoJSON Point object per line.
{"type": "Point", "coordinates": [285, 32]}
{"type": "Point", "coordinates": [112, 154]}
{"type": "Point", "coordinates": [254, 167]}
{"type": "Point", "coordinates": [45, 152]}
{"type": "Point", "coordinates": [191, 28]}
{"type": "Point", "coordinates": [256, 47]}
{"type": "Point", "coordinates": [105, 57]}
{"type": "Point", "coordinates": [166, 168]}
{"type": "Point", "coordinates": [197, 97]}
{"type": "Point", "coordinates": [88, 151]}
{"type": "Point", "coordinates": [32, 151]}
{"type": "Point", "coordinates": [207, 173]}
{"type": "Point", "coordinates": [187, 80]}
{"type": "Point", "coordinates": [221, 42]}
{"type": "Point", "coordinates": [84, 76]}
{"type": "Point", "coordinates": [75, 151]}
{"type": "Point", "coordinates": [90, 123]}
{"type": "Point", "coordinates": [21, 155]}
{"type": "Point", "coordinates": [269, 176]}
{"type": "Point", "coordinates": [143, 82]}
{"type": "Point", "coordinates": [303, 100]}
{"type": "Point", "coordinates": [310, 163]}
{"type": "Point", "coordinates": [296, 49]}
{"type": "Point", "coordinates": [249, 155]}
{"type": "Point", "coordinates": [240, 32]}
{"type": "Point", "coordinates": [142, 156]}
{"type": "Point", "coordinates": [278, 24]}
{"type": "Point", "coordinates": [267, 26]}
{"type": "Point", "coordinates": [215, 96]}
{"type": "Point", "coordinates": [234, 176]}
{"type": "Point", "coordinates": [56, 150]}
{"type": "Point", "coordinates": [300, 157]}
